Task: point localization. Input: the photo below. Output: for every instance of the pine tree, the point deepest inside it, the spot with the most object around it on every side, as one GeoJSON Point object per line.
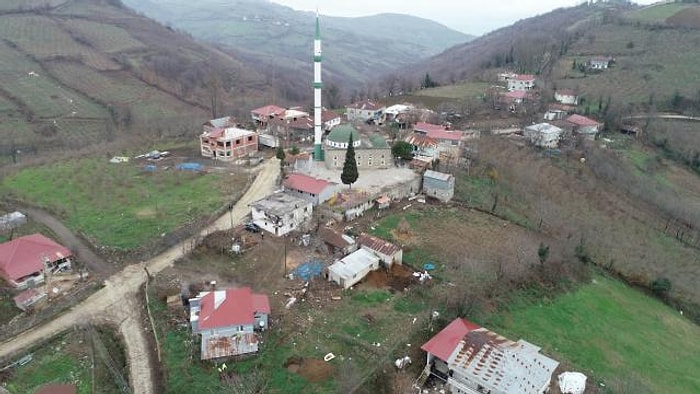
{"type": "Point", "coordinates": [349, 174]}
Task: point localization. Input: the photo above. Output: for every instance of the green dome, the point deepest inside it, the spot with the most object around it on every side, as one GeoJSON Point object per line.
{"type": "Point", "coordinates": [341, 134]}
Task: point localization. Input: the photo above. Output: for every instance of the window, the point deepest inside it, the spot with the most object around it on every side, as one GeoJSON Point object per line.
{"type": "Point", "coordinates": [250, 138]}
{"type": "Point", "coordinates": [238, 142]}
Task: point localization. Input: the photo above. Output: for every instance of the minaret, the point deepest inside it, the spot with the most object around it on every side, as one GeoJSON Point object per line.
{"type": "Point", "coordinates": [318, 130]}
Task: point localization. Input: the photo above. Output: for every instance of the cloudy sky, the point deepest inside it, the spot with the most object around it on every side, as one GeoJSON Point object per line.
{"type": "Point", "coordinates": [469, 16]}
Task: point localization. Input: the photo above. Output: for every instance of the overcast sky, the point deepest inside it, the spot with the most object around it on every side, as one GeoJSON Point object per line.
{"type": "Point", "coordinates": [468, 16]}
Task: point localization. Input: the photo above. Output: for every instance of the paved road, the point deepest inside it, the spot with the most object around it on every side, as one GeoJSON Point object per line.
{"type": "Point", "coordinates": [117, 303]}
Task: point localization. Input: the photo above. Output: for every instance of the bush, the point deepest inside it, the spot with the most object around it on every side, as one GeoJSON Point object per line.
{"type": "Point", "coordinates": [661, 286]}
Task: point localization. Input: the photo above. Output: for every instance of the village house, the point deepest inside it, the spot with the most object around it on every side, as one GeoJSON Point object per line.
{"type": "Point", "coordinates": [314, 190]}
{"type": "Point", "coordinates": [600, 62]}
{"type": "Point", "coordinates": [584, 127]}
{"type": "Point", "coordinates": [281, 213]}
{"type": "Point", "coordinates": [261, 116]}
{"type": "Point", "coordinates": [448, 140]}
{"type": "Point", "coordinates": [438, 185]}
{"type": "Point", "coordinates": [364, 111]}
{"type": "Point", "coordinates": [566, 97]}
{"type": "Point", "coordinates": [388, 253]}
{"type": "Point", "coordinates": [352, 268]}
{"type": "Point", "coordinates": [24, 261]}
{"type": "Point", "coordinates": [291, 130]}
{"type": "Point", "coordinates": [557, 111]}
{"type": "Point", "coordinates": [543, 135]}
{"type": "Point", "coordinates": [522, 82]}
{"type": "Point", "coordinates": [371, 152]}
{"type": "Point", "coordinates": [423, 146]}
{"type": "Point", "coordinates": [474, 360]}
{"type": "Point", "coordinates": [506, 76]}
{"type": "Point", "coordinates": [228, 144]}
{"type": "Point", "coordinates": [393, 112]}
{"type": "Point", "coordinates": [329, 119]}
{"type": "Point", "coordinates": [337, 242]}
{"type": "Point", "coordinates": [229, 321]}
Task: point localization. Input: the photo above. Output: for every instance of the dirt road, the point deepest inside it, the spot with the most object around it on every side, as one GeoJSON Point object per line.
{"type": "Point", "coordinates": [117, 302]}
{"type": "Point", "coordinates": [96, 265]}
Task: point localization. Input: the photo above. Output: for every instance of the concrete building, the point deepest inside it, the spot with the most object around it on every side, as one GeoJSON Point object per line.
{"type": "Point", "coordinates": [228, 144]}
{"type": "Point", "coordinates": [449, 141]}
{"type": "Point", "coordinates": [388, 253]}
{"type": "Point", "coordinates": [600, 62]}
{"type": "Point", "coordinates": [474, 360]}
{"type": "Point", "coordinates": [262, 116]}
{"type": "Point", "coordinates": [365, 110]}
{"type": "Point", "coordinates": [439, 185]}
{"type": "Point", "coordinates": [543, 135]}
{"type": "Point", "coordinates": [584, 127]}
{"type": "Point", "coordinates": [371, 152]}
{"type": "Point", "coordinates": [281, 213]}
{"type": "Point", "coordinates": [229, 321]}
{"type": "Point", "coordinates": [522, 82]}
{"type": "Point", "coordinates": [352, 268]}
{"type": "Point", "coordinates": [566, 97]}
{"type": "Point", "coordinates": [314, 190]}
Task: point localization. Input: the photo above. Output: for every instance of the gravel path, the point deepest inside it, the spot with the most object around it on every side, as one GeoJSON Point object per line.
{"type": "Point", "coordinates": [117, 302]}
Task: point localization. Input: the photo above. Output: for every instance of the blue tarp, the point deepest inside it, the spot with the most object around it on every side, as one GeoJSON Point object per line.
{"type": "Point", "coordinates": [190, 167]}
{"type": "Point", "coordinates": [428, 266]}
{"type": "Point", "coordinates": [150, 167]}
{"type": "Point", "coordinates": [308, 270]}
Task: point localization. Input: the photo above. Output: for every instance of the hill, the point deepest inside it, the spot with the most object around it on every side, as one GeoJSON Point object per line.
{"type": "Point", "coordinates": [354, 48]}
{"type": "Point", "coordinates": [81, 72]}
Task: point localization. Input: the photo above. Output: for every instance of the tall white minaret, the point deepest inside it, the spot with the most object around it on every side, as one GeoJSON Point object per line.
{"type": "Point", "coordinates": [318, 130]}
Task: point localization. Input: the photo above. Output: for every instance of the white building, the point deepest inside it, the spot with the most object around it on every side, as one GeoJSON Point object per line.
{"type": "Point", "coordinates": [439, 185]}
{"type": "Point", "coordinates": [281, 213]}
{"type": "Point", "coordinates": [522, 82]}
{"type": "Point", "coordinates": [352, 268]}
{"type": "Point", "coordinates": [472, 359]}
{"type": "Point", "coordinates": [543, 135]}
{"type": "Point", "coordinates": [566, 97]}
{"type": "Point", "coordinates": [387, 252]}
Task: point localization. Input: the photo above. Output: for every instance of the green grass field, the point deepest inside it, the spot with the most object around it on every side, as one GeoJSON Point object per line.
{"type": "Point", "coordinates": [615, 333]}
{"type": "Point", "coordinates": [658, 13]}
{"type": "Point", "coordinates": [122, 206]}
{"type": "Point", "coordinates": [460, 91]}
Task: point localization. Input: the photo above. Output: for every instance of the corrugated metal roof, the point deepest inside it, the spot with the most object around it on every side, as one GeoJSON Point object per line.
{"type": "Point", "coordinates": [437, 175]}
{"type": "Point", "coordinates": [306, 183]}
{"type": "Point", "coordinates": [444, 343]}
{"type": "Point", "coordinates": [377, 244]}
{"type": "Point", "coordinates": [335, 238]}
{"type": "Point", "coordinates": [24, 255]}
{"type": "Point", "coordinates": [226, 346]}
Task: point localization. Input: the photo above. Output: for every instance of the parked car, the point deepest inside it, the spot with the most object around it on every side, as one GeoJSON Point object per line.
{"type": "Point", "coordinates": [252, 227]}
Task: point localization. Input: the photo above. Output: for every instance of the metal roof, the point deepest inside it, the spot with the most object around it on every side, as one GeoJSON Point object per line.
{"type": "Point", "coordinates": [25, 255]}
{"type": "Point", "coordinates": [437, 175]}
{"type": "Point", "coordinates": [377, 244]}
{"type": "Point", "coordinates": [230, 307]}
{"type": "Point", "coordinates": [354, 263]}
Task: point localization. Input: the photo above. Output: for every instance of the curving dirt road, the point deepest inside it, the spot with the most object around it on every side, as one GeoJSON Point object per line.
{"type": "Point", "coordinates": [117, 302]}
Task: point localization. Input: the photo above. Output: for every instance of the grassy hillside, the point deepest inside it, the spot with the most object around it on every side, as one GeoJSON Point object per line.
{"type": "Point", "coordinates": [354, 48]}
{"type": "Point", "coordinates": [77, 72]}
{"type": "Point", "coordinates": [633, 343]}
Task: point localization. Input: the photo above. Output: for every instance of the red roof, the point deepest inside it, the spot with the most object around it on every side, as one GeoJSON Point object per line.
{"type": "Point", "coordinates": [454, 135]}
{"type": "Point", "coordinates": [378, 244]}
{"type": "Point", "coordinates": [516, 94]}
{"type": "Point", "coordinates": [268, 111]}
{"type": "Point", "coordinates": [327, 116]}
{"type": "Point", "coordinates": [427, 127]}
{"type": "Point", "coordinates": [24, 255]}
{"type": "Point", "coordinates": [445, 342]}
{"type": "Point", "coordinates": [580, 120]}
{"type": "Point", "coordinates": [306, 183]}
{"type": "Point", "coordinates": [366, 105]}
{"type": "Point", "coordinates": [230, 307]}
{"type": "Point", "coordinates": [421, 140]}
{"type": "Point", "coordinates": [525, 77]}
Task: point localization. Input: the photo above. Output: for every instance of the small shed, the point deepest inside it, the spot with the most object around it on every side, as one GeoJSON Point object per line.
{"type": "Point", "coordinates": [383, 202]}
{"type": "Point", "coordinates": [353, 268]}
{"type": "Point", "coordinates": [337, 241]}
{"type": "Point", "coordinates": [439, 185]}
{"type": "Point", "coordinates": [387, 252]}
{"type": "Point", "coordinates": [27, 298]}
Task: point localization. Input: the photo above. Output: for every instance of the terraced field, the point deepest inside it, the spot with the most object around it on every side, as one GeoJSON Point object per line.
{"type": "Point", "coordinates": [104, 37]}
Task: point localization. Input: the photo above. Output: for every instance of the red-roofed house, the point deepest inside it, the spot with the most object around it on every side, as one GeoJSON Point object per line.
{"type": "Point", "coordinates": [229, 321]}
{"type": "Point", "coordinates": [263, 115]}
{"type": "Point", "coordinates": [472, 359]}
{"type": "Point", "coordinates": [585, 127]}
{"type": "Point", "coordinates": [522, 82]}
{"type": "Point", "coordinates": [387, 252]}
{"type": "Point", "coordinates": [448, 140]}
{"type": "Point", "coordinates": [365, 110]}
{"type": "Point", "coordinates": [24, 259]}
{"type": "Point", "coordinates": [316, 191]}
{"type": "Point", "coordinates": [566, 97]}
{"type": "Point", "coordinates": [330, 119]}
{"type": "Point", "coordinates": [228, 144]}
{"type": "Point", "coordinates": [423, 145]}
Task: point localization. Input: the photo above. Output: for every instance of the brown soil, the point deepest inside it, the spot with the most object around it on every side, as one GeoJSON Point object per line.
{"type": "Point", "coordinates": [311, 369]}
{"type": "Point", "coordinates": [689, 17]}
{"type": "Point", "coordinates": [400, 277]}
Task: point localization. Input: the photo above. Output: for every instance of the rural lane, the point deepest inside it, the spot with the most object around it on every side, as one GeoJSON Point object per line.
{"type": "Point", "coordinates": [117, 302]}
